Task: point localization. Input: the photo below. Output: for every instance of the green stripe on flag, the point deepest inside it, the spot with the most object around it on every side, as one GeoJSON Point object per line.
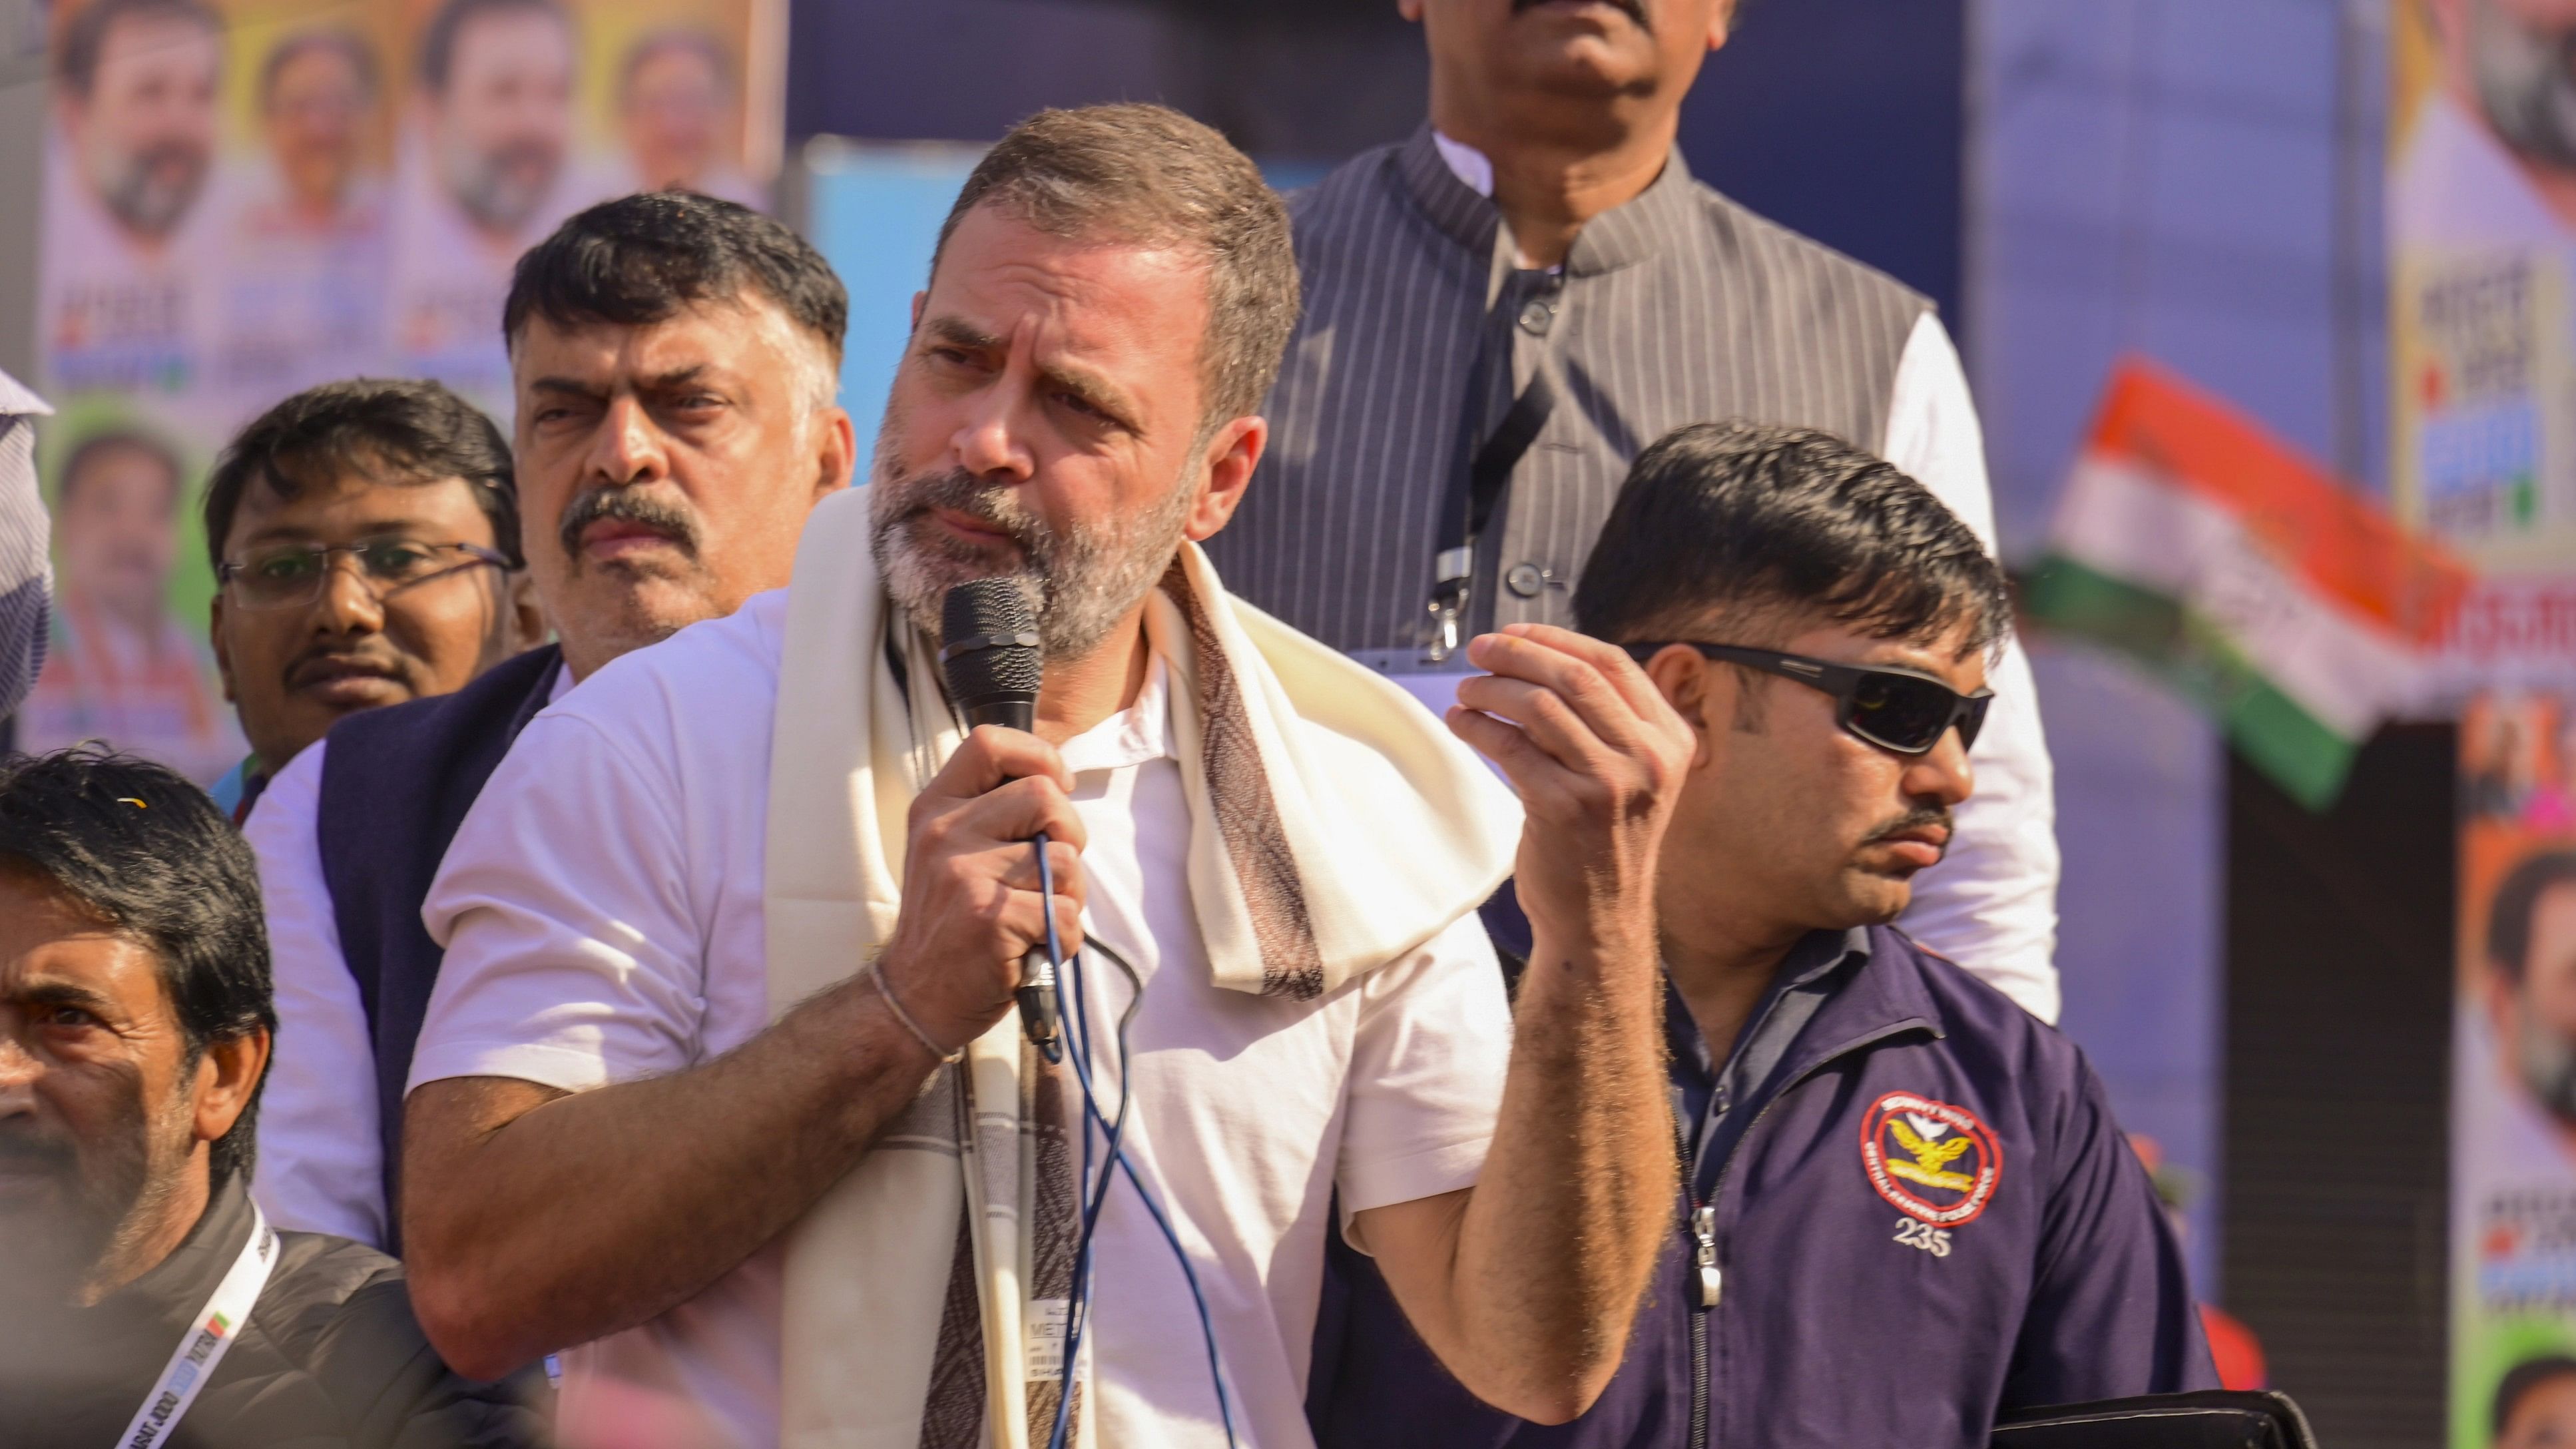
{"type": "Point", "coordinates": [2291, 746]}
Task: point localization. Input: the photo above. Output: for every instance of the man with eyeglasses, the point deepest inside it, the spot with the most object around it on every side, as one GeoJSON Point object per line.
{"type": "Point", "coordinates": [365, 537]}
{"type": "Point", "coordinates": [675, 362]}
{"type": "Point", "coordinates": [1905, 1208]}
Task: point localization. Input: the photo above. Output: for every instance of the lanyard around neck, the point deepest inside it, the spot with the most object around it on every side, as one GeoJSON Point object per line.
{"type": "Point", "coordinates": [1486, 456]}
{"type": "Point", "coordinates": [210, 1333]}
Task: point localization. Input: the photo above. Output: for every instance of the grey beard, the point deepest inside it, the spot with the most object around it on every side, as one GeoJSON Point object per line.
{"type": "Point", "coordinates": [153, 192]}
{"type": "Point", "coordinates": [1084, 578]}
{"type": "Point", "coordinates": [502, 188]}
{"type": "Point", "coordinates": [2525, 83]}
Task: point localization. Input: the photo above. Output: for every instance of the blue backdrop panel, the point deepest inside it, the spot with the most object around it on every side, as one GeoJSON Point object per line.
{"type": "Point", "coordinates": [874, 213]}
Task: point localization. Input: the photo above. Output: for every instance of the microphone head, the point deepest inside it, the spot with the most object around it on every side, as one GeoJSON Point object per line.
{"type": "Point", "coordinates": [988, 652]}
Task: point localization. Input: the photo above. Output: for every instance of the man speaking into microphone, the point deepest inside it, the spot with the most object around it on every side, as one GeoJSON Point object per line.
{"type": "Point", "coordinates": [723, 1088]}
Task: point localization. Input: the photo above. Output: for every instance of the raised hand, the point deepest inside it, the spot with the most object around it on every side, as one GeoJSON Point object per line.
{"type": "Point", "coordinates": [1598, 758]}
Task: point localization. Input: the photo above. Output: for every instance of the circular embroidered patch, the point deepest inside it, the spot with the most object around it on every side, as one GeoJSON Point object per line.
{"type": "Point", "coordinates": [1935, 1161]}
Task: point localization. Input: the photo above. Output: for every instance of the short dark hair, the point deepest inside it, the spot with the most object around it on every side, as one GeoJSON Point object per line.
{"type": "Point", "coordinates": [1720, 517]}
{"type": "Point", "coordinates": [76, 464]}
{"type": "Point", "coordinates": [639, 259]}
{"type": "Point", "coordinates": [346, 43]}
{"type": "Point", "coordinates": [438, 41]}
{"type": "Point", "coordinates": [400, 431]}
{"type": "Point", "coordinates": [2520, 1380]}
{"type": "Point", "coordinates": [168, 873]}
{"type": "Point", "coordinates": [2517, 900]}
{"type": "Point", "coordinates": [1149, 174]}
{"type": "Point", "coordinates": [85, 39]}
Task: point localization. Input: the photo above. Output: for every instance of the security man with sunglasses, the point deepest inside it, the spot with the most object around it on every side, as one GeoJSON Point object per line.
{"type": "Point", "coordinates": [1906, 1208]}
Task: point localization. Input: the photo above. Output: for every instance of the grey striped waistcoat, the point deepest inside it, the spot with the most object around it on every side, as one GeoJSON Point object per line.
{"type": "Point", "coordinates": [1679, 307]}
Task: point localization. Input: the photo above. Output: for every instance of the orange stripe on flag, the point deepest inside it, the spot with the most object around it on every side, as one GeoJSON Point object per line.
{"type": "Point", "coordinates": [2327, 535]}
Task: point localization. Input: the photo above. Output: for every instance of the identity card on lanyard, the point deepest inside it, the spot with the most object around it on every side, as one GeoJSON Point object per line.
{"type": "Point", "coordinates": [212, 1333]}
{"type": "Point", "coordinates": [1432, 683]}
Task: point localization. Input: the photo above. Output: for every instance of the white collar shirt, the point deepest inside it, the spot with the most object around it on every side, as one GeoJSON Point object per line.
{"type": "Point", "coordinates": [602, 913]}
{"type": "Point", "coordinates": [321, 1158]}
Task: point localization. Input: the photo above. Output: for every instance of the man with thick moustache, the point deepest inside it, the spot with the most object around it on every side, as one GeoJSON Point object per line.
{"type": "Point", "coordinates": [1504, 308]}
{"type": "Point", "coordinates": [675, 360]}
{"type": "Point", "coordinates": [1905, 1207]}
{"type": "Point", "coordinates": [722, 1081]}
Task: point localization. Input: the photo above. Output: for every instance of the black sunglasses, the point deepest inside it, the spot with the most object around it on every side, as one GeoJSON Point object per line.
{"type": "Point", "coordinates": [1897, 709]}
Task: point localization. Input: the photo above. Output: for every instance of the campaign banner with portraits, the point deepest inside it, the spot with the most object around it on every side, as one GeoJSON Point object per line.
{"type": "Point", "coordinates": [244, 198]}
{"type": "Point", "coordinates": [2513, 1092]}
{"type": "Point", "coordinates": [2481, 217]}
{"type": "Point", "coordinates": [2482, 236]}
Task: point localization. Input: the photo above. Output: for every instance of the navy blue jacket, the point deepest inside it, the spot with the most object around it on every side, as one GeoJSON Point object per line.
{"type": "Point", "coordinates": [396, 783]}
{"type": "Point", "coordinates": [1927, 1215]}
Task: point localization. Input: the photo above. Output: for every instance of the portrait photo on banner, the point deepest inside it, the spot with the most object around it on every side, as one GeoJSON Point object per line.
{"type": "Point", "coordinates": [245, 198]}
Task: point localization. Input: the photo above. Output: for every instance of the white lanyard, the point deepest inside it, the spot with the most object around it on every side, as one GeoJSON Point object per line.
{"type": "Point", "coordinates": [213, 1331]}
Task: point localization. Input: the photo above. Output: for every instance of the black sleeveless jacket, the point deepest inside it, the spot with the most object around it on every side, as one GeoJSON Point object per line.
{"type": "Point", "coordinates": [396, 784]}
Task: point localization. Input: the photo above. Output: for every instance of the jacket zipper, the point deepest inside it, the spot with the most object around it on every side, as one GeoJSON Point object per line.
{"type": "Point", "coordinates": [1706, 1282]}
{"type": "Point", "coordinates": [1703, 1223]}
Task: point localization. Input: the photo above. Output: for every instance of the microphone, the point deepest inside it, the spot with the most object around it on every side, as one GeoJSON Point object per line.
{"type": "Point", "coordinates": [988, 655]}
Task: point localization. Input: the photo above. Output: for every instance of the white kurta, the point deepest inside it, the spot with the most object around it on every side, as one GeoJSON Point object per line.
{"type": "Point", "coordinates": [603, 914]}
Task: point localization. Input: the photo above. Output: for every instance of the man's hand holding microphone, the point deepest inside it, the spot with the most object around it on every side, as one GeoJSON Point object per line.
{"type": "Point", "coordinates": [971, 905]}
{"type": "Point", "coordinates": [974, 931]}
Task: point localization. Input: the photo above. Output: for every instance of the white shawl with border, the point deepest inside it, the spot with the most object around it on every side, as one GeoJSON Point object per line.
{"type": "Point", "coordinates": [1298, 883]}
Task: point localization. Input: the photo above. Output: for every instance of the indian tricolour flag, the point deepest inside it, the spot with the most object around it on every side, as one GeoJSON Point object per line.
{"type": "Point", "coordinates": [2287, 605]}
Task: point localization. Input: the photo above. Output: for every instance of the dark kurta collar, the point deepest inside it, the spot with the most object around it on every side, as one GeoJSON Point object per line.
{"type": "Point", "coordinates": [1656, 220]}
{"type": "Point", "coordinates": [1451, 206]}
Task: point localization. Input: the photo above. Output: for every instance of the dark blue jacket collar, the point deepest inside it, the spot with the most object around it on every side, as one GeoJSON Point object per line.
{"type": "Point", "coordinates": [1883, 997]}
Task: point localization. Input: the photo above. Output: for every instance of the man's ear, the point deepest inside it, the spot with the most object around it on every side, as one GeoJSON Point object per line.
{"type": "Point", "coordinates": [1232, 456]}
{"type": "Point", "coordinates": [1721, 22]}
{"type": "Point", "coordinates": [222, 647]}
{"type": "Point", "coordinates": [918, 299]}
{"type": "Point", "coordinates": [526, 618]}
{"type": "Point", "coordinates": [1694, 691]}
{"type": "Point", "coordinates": [227, 1077]}
{"type": "Point", "coordinates": [839, 453]}
{"type": "Point", "coordinates": [1411, 10]}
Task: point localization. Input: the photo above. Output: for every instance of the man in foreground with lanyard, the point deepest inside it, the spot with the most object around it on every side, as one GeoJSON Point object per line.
{"type": "Point", "coordinates": [144, 1300]}
{"type": "Point", "coordinates": [722, 1081]}
{"type": "Point", "coordinates": [1907, 1208]}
